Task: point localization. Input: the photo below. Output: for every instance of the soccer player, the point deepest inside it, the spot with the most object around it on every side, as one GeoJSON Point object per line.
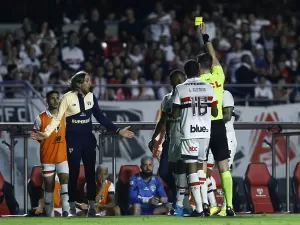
{"type": "Point", "coordinates": [194, 104]}
{"type": "Point", "coordinates": [171, 145]}
{"type": "Point", "coordinates": [53, 155]}
{"type": "Point", "coordinates": [105, 194]}
{"type": "Point", "coordinates": [78, 106]}
{"type": "Point", "coordinates": [211, 72]}
{"type": "Point", "coordinates": [146, 192]}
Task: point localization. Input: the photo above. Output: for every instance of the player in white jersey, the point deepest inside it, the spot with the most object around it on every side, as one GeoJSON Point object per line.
{"type": "Point", "coordinates": [194, 103]}
{"type": "Point", "coordinates": [229, 118]}
{"type": "Point", "coordinates": [171, 143]}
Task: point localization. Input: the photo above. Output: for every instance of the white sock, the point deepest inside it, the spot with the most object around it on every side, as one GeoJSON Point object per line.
{"type": "Point", "coordinates": [64, 198]}
{"type": "Point", "coordinates": [203, 186]}
{"type": "Point", "coordinates": [181, 189]}
{"type": "Point", "coordinates": [211, 193]}
{"type": "Point", "coordinates": [194, 185]}
{"type": "Point", "coordinates": [49, 204]}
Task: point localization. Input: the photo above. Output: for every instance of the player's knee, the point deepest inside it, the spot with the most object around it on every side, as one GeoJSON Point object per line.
{"type": "Point", "coordinates": [223, 166]}
{"type": "Point", "coordinates": [49, 183]}
{"type": "Point", "coordinates": [63, 178]}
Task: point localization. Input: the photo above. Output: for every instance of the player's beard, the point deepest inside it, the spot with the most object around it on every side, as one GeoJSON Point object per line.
{"type": "Point", "coordinates": [147, 174]}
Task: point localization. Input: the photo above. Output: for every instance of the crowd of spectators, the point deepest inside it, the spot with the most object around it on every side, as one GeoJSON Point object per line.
{"type": "Point", "coordinates": [258, 50]}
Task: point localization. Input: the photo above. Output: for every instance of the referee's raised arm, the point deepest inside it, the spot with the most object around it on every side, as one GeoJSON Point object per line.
{"type": "Point", "coordinates": [209, 47]}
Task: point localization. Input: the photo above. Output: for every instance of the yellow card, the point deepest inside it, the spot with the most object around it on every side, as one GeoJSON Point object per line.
{"type": "Point", "coordinates": [198, 21]}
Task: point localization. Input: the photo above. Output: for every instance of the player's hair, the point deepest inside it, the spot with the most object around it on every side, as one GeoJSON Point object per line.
{"type": "Point", "coordinates": [176, 73]}
{"type": "Point", "coordinates": [145, 158]}
{"type": "Point", "coordinates": [101, 167]}
{"type": "Point", "coordinates": [51, 93]}
{"type": "Point", "coordinates": [191, 68]}
{"type": "Point", "coordinates": [205, 60]}
{"type": "Point", "coordinates": [77, 80]}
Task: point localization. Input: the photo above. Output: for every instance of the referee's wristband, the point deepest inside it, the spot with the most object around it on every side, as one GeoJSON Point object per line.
{"type": "Point", "coordinates": [118, 130]}
{"type": "Point", "coordinates": [205, 38]}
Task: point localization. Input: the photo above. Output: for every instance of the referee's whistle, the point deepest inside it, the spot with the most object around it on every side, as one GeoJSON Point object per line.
{"type": "Point", "coordinates": [198, 21]}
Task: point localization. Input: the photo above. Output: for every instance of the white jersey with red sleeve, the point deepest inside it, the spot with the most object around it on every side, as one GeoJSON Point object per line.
{"type": "Point", "coordinates": [228, 101]}
{"type": "Point", "coordinates": [173, 128]}
{"type": "Point", "coordinates": [195, 99]}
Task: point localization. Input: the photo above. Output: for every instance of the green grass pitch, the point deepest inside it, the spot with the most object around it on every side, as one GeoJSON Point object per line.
{"type": "Point", "coordinates": [278, 219]}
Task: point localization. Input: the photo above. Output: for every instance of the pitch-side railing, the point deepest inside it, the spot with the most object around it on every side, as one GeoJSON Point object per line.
{"type": "Point", "coordinates": [23, 130]}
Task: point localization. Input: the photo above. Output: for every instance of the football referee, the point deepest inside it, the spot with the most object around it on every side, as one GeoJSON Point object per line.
{"type": "Point", "coordinates": [212, 72]}
{"type": "Point", "coordinates": [78, 106]}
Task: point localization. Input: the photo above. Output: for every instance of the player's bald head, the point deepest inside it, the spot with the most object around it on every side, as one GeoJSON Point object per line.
{"type": "Point", "coordinates": [101, 168]}
{"type": "Point", "coordinates": [176, 77]}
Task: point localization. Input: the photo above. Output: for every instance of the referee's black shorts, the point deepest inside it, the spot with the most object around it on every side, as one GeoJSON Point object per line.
{"type": "Point", "coordinates": [218, 140]}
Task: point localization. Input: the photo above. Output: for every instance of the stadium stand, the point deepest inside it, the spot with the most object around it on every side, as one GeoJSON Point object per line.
{"type": "Point", "coordinates": [261, 189]}
{"type": "Point", "coordinates": [126, 47]}
{"type": "Point", "coordinates": [296, 188]}
{"type": "Point", "coordinates": [8, 203]}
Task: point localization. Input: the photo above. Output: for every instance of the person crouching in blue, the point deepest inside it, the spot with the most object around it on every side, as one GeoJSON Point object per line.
{"type": "Point", "coordinates": [146, 192]}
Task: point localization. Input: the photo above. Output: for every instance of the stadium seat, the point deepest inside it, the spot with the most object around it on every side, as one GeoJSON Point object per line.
{"type": "Point", "coordinates": [296, 188]}
{"type": "Point", "coordinates": [261, 189]}
{"type": "Point", "coordinates": [122, 186]}
{"type": "Point", "coordinates": [34, 185]}
{"type": "Point", "coordinates": [80, 185]}
{"type": "Point", "coordinates": [8, 203]}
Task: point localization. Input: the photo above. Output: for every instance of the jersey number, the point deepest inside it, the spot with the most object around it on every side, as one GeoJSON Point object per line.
{"type": "Point", "coordinates": [199, 106]}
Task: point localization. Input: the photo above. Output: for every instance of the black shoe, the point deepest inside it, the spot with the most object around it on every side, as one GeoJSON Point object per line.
{"type": "Point", "coordinates": [206, 210]}
{"type": "Point", "coordinates": [196, 214]}
{"type": "Point", "coordinates": [230, 212]}
{"type": "Point", "coordinates": [65, 214]}
{"type": "Point", "coordinates": [91, 212]}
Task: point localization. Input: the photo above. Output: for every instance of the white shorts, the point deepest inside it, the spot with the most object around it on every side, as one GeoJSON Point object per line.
{"type": "Point", "coordinates": [194, 150]}
{"type": "Point", "coordinates": [48, 170]}
{"type": "Point", "coordinates": [232, 146]}
{"type": "Point", "coordinates": [174, 153]}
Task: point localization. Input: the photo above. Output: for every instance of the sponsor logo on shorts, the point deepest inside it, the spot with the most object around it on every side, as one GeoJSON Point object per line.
{"type": "Point", "coordinates": [81, 121]}
{"type": "Point", "coordinates": [193, 149]}
{"type": "Point", "coordinates": [198, 129]}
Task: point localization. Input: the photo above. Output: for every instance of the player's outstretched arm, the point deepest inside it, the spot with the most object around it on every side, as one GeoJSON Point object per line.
{"type": "Point", "coordinates": [98, 114]}
{"type": "Point", "coordinates": [209, 47]}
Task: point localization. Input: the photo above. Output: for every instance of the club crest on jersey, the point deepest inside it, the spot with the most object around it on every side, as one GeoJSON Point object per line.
{"type": "Point", "coordinates": [153, 188]}
{"type": "Point", "coordinates": [57, 128]}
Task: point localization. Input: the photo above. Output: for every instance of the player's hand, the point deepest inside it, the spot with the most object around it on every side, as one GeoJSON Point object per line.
{"type": "Point", "coordinates": [154, 200]}
{"type": "Point", "coordinates": [203, 28]}
{"type": "Point", "coordinates": [163, 200]}
{"type": "Point", "coordinates": [38, 136]}
{"type": "Point", "coordinates": [125, 132]}
{"type": "Point", "coordinates": [84, 206]}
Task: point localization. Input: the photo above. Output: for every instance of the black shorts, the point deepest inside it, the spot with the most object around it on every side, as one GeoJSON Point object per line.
{"type": "Point", "coordinates": [218, 141]}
